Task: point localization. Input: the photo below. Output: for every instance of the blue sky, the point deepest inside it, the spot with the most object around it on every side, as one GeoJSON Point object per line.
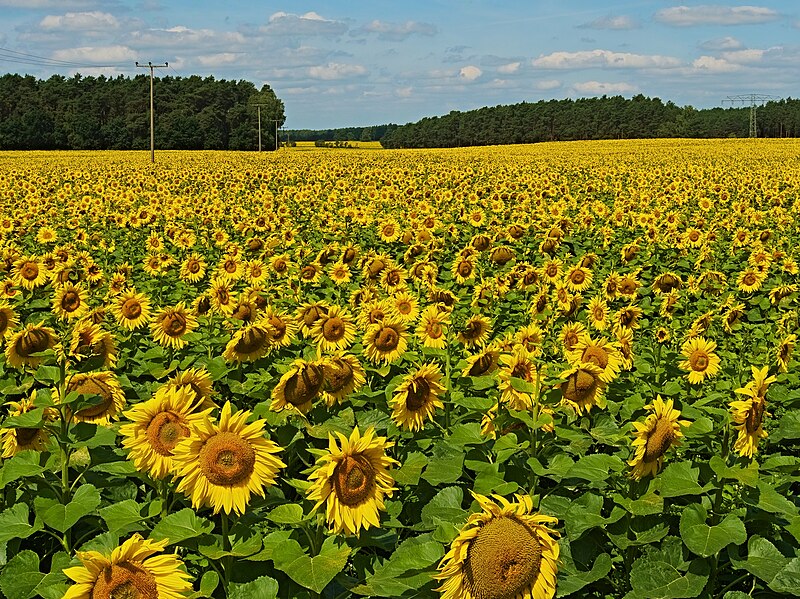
{"type": "Point", "coordinates": [336, 64]}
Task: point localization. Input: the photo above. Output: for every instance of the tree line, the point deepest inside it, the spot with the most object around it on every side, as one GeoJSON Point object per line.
{"type": "Point", "coordinates": [343, 134]}
{"type": "Point", "coordinates": [592, 118]}
{"type": "Point", "coordinates": [112, 113]}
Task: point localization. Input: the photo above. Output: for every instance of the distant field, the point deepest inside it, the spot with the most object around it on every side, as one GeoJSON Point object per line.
{"type": "Point", "coordinates": [557, 368]}
{"type": "Point", "coordinates": [364, 145]}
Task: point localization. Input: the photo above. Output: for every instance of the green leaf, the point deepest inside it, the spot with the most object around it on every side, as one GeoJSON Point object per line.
{"type": "Point", "coordinates": [647, 504]}
{"type": "Point", "coordinates": [21, 578]}
{"type": "Point", "coordinates": [678, 479]}
{"type": "Point", "coordinates": [444, 507]}
{"type": "Point", "coordinates": [32, 419]}
{"type": "Point", "coordinates": [23, 464]}
{"type": "Point", "coordinates": [445, 466]}
{"type": "Point", "coordinates": [122, 516]}
{"type": "Point", "coordinates": [788, 579]}
{"type": "Point", "coordinates": [584, 514]}
{"type": "Point", "coordinates": [653, 578]}
{"type": "Point", "coordinates": [595, 467]}
{"type": "Point", "coordinates": [263, 587]}
{"type": "Point", "coordinates": [763, 559]}
{"type": "Point", "coordinates": [788, 427]}
{"type": "Point", "coordinates": [765, 497]}
{"type": "Point", "coordinates": [572, 580]}
{"type": "Point", "coordinates": [62, 517]}
{"type": "Point", "coordinates": [15, 523]}
{"type": "Point", "coordinates": [707, 540]}
{"type": "Point", "coordinates": [311, 572]}
{"type": "Point", "coordinates": [180, 526]}
{"type": "Point", "coordinates": [747, 476]}
{"type": "Point", "coordinates": [288, 513]}
{"type": "Point", "coordinates": [270, 542]}
{"type": "Point", "coordinates": [466, 434]}
{"type": "Point", "coordinates": [208, 583]}
{"type": "Point", "coordinates": [409, 568]}
{"type": "Point", "coordinates": [411, 469]}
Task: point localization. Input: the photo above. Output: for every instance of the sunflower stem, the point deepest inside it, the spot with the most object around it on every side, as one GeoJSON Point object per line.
{"type": "Point", "coordinates": [449, 387]}
{"type": "Point", "coordinates": [227, 560]}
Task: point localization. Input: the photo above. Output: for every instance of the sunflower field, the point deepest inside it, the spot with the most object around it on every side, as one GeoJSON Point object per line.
{"type": "Point", "coordinates": [497, 373]}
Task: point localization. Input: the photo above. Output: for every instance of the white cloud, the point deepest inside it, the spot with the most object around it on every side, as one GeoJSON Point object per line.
{"type": "Point", "coordinates": [80, 21]}
{"type": "Point", "coordinates": [507, 69]}
{"type": "Point", "coordinates": [335, 70]}
{"type": "Point", "coordinates": [398, 32]}
{"type": "Point", "coordinates": [470, 73]}
{"type": "Point", "coordinates": [546, 84]}
{"type": "Point", "coordinates": [216, 60]}
{"type": "Point", "coordinates": [184, 37]}
{"type": "Point", "coordinates": [711, 64]}
{"type": "Point", "coordinates": [686, 16]}
{"type": "Point", "coordinates": [33, 4]}
{"type": "Point", "coordinates": [99, 54]}
{"type": "Point", "coordinates": [616, 23]}
{"type": "Point", "coordinates": [405, 92]}
{"type": "Point", "coordinates": [722, 43]}
{"type": "Point", "coordinates": [598, 88]}
{"type": "Point", "coordinates": [310, 23]}
{"type": "Point", "coordinates": [749, 56]}
{"type": "Point", "coordinates": [604, 58]}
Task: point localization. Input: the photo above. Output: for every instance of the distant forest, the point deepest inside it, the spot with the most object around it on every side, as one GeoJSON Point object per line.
{"type": "Point", "coordinates": [99, 113]}
{"type": "Point", "coordinates": [592, 118]}
{"type": "Point", "coordinates": [373, 133]}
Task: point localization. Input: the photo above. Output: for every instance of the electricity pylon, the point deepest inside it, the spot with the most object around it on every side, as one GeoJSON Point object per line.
{"type": "Point", "coordinates": [754, 100]}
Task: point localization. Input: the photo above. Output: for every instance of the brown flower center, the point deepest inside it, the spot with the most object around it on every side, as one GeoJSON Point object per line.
{"type": "Point", "coordinates": [29, 271]}
{"type": "Point", "coordinates": [312, 314]}
{"type": "Point", "coordinates": [70, 301]}
{"type": "Point", "coordinates": [131, 309]}
{"type": "Point", "coordinates": [226, 459]}
{"type": "Point", "coordinates": [354, 480]}
{"type": "Point", "coordinates": [418, 393]}
{"type": "Point", "coordinates": [755, 415]}
{"type": "Point", "coordinates": [25, 436]}
{"type": "Point", "coordinates": [193, 266]}
{"type": "Point", "coordinates": [503, 560]}
{"type": "Point", "coordinates": [251, 340]}
{"type": "Point", "coordinates": [750, 279]}
{"type": "Point", "coordinates": [125, 581]}
{"type": "Point", "coordinates": [579, 385]}
{"type": "Point", "coordinates": [577, 277]}
{"type": "Point", "coordinates": [174, 324]}
{"type": "Point", "coordinates": [164, 432]}
{"type": "Point", "coordinates": [32, 342]}
{"type": "Point", "coordinates": [699, 360]}
{"type": "Point", "coordinates": [595, 355]}
{"type": "Point", "coordinates": [465, 268]}
{"type": "Point", "coordinates": [340, 376]}
{"type": "Point", "coordinates": [473, 330]}
{"type": "Point", "coordinates": [482, 365]}
{"type": "Point", "coordinates": [304, 385]}
{"type": "Point", "coordinates": [92, 386]}
{"type": "Point", "coordinates": [659, 440]}
{"type": "Point", "coordinates": [333, 329]}
{"type": "Point", "coordinates": [387, 340]}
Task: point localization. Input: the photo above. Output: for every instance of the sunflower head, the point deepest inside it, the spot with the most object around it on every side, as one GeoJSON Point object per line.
{"type": "Point", "coordinates": [660, 431]}
{"type": "Point", "coordinates": [24, 346]}
{"type": "Point", "coordinates": [584, 387]}
{"type": "Point", "coordinates": [416, 399]}
{"type": "Point", "coordinates": [298, 387]}
{"type": "Point", "coordinates": [504, 551]}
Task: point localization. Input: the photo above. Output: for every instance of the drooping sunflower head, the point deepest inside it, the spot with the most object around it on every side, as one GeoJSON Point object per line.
{"type": "Point", "coordinates": [250, 343]}
{"type": "Point", "coordinates": [343, 375]}
{"type": "Point", "coordinates": [308, 314]}
{"type": "Point", "coordinates": [584, 387]}
{"type": "Point", "coordinates": [517, 365]}
{"type": "Point", "coordinates": [385, 341]}
{"type": "Point", "coordinates": [24, 345]}
{"type": "Point", "coordinates": [197, 380]}
{"type": "Point", "coordinates": [90, 342]}
{"type": "Point", "coordinates": [504, 551]}
{"type": "Point", "coordinates": [352, 478]}
{"type": "Point", "coordinates": [416, 399]}
{"type": "Point", "coordinates": [570, 335]}
{"type": "Point", "coordinates": [283, 326]}
{"type": "Point", "coordinates": [14, 440]}
{"type": "Point", "coordinates": [475, 332]}
{"type": "Point", "coordinates": [129, 571]}
{"type": "Point", "coordinates": [660, 431]}
{"type": "Point", "coordinates": [8, 319]}
{"type": "Point", "coordinates": [483, 363]}
{"type": "Point", "coordinates": [298, 387]}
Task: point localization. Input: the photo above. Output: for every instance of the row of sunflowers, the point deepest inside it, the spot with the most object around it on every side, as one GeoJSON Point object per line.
{"type": "Point", "coordinates": [536, 371]}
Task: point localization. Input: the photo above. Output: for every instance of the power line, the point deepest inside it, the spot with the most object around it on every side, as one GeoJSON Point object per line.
{"type": "Point", "coordinates": [754, 100]}
{"type": "Point", "coordinates": [8, 55]}
{"type": "Point", "coordinates": [152, 66]}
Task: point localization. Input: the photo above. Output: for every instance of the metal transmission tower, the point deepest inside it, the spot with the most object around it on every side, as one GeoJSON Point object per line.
{"type": "Point", "coordinates": [152, 66]}
{"type": "Point", "coordinates": [754, 101]}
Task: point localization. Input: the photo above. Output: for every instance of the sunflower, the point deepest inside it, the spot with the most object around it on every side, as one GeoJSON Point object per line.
{"type": "Point", "coordinates": [69, 301]}
{"type": "Point", "coordinates": [103, 384]}
{"type": "Point", "coordinates": [197, 380]}
{"type": "Point", "coordinates": [343, 375]}
{"type": "Point", "coordinates": [298, 387]}
{"type": "Point", "coordinates": [570, 335]}
{"type": "Point", "coordinates": [583, 387]}
{"type": "Point", "coordinates": [170, 324]}
{"type": "Point", "coordinates": [385, 341]}
{"type": "Point", "coordinates": [749, 280]}
{"type": "Point", "coordinates": [249, 343]}
{"type": "Point", "coordinates": [220, 293]}
{"type": "Point", "coordinates": [783, 354]}
{"type": "Point", "coordinates": [483, 363]}
{"type": "Point", "coordinates": [463, 270]}
{"type": "Point", "coordinates": [416, 399]}
{"type": "Point", "coordinates": [90, 341]}
{"type": "Point", "coordinates": [334, 330]}
{"type": "Point", "coordinates": [311, 272]}
{"type": "Point", "coordinates": [504, 551]}
{"type": "Point", "coordinates": [530, 337]}
{"type": "Point", "coordinates": [476, 332]}
{"type": "Point", "coordinates": [131, 309]}
{"type": "Point", "coordinates": [283, 327]}
{"type": "Point", "coordinates": [8, 319]}
{"type": "Point", "coordinates": [14, 440]}
{"type": "Point", "coordinates": [339, 273]}
{"type": "Point", "coordinates": [748, 414]}
{"type": "Point", "coordinates": [578, 279]}
{"type": "Point", "coordinates": [660, 431]}
{"type": "Point", "coordinates": [308, 314]}
{"type": "Point", "coordinates": [666, 282]}
{"type": "Point", "coordinates": [352, 478]}
{"type": "Point", "coordinates": [23, 345]}
{"type": "Point", "coordinates": [701, 361]}
{"type": "Point", "coordinates": [598, 312]}
{"type": "Point", "coordinates": [222, 465]}
{"type": "Point", "coordinates": [432, 328]}
{"type": "Point", "coordinates": [404, 307]}
{"type": "Point", "coordinates": [131, 570]}
{"type": "Point", "coordinates": [29, 272]}
{"type": "Point", "coordinates": [193, 269]}
{"type": "Point", "coordinates": [520, 365]}
{"type": "Point", "coordinates": [157, 426]}
{"type": "Point", "coordinates": [601, 352]}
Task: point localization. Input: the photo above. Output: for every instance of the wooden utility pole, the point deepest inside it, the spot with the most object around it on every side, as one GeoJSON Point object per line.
{"type": "Point", "coordinates": [259, 126]}
{"type": "Point", "coordinates": [152, 66]}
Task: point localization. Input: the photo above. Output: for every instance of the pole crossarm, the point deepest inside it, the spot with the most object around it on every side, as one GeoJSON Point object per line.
{"type": "Point", "coordinates": [152, 66]}
{"type": "Point", "coordinates": [276, 121]}
{"type": "Point", "coordinates": [752, 100]}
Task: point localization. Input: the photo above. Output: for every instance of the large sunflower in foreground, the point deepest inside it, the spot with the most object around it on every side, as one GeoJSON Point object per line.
{"type": "Point", "coordinates": [352, 479]}
{"type": "Point", "coordinates": [503, 552]}
{"type": "Point", "coordinates": [132, 570]}
{"type": "Point", "coordinates": [157, 426]}
{"type": "Point", "coordinates": [748, 414]}
{"type": "Point", "coordinates": [701, 361]}
{"type": "Point", "coordinates": [660, 431]}
{"type": "Point", "coordinates": [222, 465]}
{"type": "Point", "coordinates": [416, 399]}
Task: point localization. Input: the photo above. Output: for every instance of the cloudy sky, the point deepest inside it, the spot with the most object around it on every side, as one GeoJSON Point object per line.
{"type": "Point", "coordinates": [343, 63]}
